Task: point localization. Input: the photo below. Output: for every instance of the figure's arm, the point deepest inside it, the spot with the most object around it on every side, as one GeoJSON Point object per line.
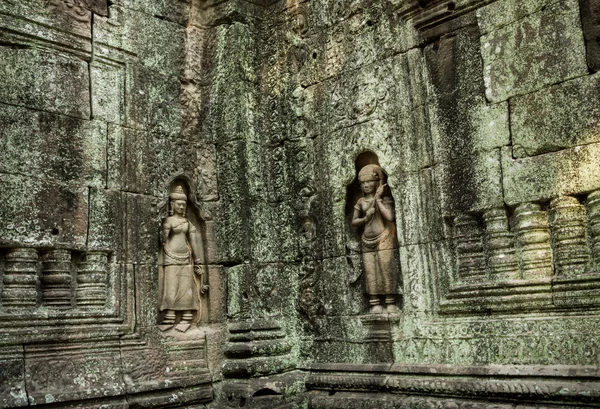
{"type": "Point", "coordinates": [358, 221]}
{"type": "Point", "coordinates": [386, 209]}
{"type": "Point", "coordinates": [195, 240]}
{"type": "Point", "coordinates": [166, 230]}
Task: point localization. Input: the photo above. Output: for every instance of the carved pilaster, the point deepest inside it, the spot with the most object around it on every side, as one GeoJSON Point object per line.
{"type": "Point", "coordinates": [20, 279]}
{"type": "Point", "coordinates": [567, 218]}
{"type": "Point", "coordinates": [91, 280]}
{"type": "Point", "coordinates": [56, 279]}
{"type": "Point", "coordinates": [469, 247]}
{"type": "Point", "coordinates": [256, 347]}
{"type": "Point", "coordinates": [533, 235]}
{"type": "Point", "coordinates": [593, 211]}
{"type": "Point", "coordinates": [501, 258]}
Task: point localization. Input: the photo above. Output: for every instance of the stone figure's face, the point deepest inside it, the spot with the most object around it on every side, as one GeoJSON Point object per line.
{"type": "Point", "coordinates": [179, 207]}
{"type": "Point", "coordinates": [368, 186]}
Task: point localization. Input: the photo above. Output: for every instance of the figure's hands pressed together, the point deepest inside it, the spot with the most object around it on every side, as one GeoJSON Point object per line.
{"type": "Point", "coordinates": [379, 192]}
{"type": "Point", "coordinates": [369, 213]}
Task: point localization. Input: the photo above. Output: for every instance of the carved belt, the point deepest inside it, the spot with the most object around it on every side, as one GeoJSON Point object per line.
{"type": "Point", "coordinates": [374, 241]}
{"type": "Point", "coordinates": [178, 258]}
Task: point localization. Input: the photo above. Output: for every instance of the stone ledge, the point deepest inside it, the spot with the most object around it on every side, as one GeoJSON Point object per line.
{"type": "Point", "coordinates": [543, 177]}
{"type": "Point", "coordinates": [456, 382]}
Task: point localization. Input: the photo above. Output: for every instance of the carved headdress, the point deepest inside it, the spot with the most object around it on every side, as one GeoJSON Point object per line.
{"type": "Point", "coordinates": [178, 193]}
{"type": "Point", "coordinates": [370, 172]}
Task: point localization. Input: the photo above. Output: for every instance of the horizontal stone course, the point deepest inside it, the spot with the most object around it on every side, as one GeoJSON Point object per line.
{"type": "Point", "coordinates": [53, 147]}
{"type": "Point", "coordinates": [544, 177]}
{"type": "Point", "coordinates": [30, 78]}
{"type": "Point", "coordinates": [557, 117]}
{"type": "Point", "coordinates": [543, 48]}
{"type": "Point", "coordinates": [472, 183]}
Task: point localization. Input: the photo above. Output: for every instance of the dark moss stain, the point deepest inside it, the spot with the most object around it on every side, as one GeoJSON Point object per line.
{"type": "Point", "coordinates": [590, 20]}
{"type": "Point", "coordinates": [62, 145]}
{"type": "Point", "coordinates": [456, 69]}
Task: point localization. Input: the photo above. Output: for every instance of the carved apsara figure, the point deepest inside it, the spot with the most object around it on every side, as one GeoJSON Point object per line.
{"type": "Point", "coordinates": [374, 213]}
{"type": "Point", "coordinates": [180, 269]}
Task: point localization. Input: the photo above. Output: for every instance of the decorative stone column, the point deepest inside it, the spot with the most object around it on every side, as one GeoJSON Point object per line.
{"type": "Point", "coordinates": [92, 280]}
{"type": "Point", "coordinates": [256, 347]}
{"type": "Point", "coordinates": [257, 356]}
{"type": "Point", "coordinates": [469, 247]}
{"type": "Point", "coordinates": [593, 213]}
{"type": "Point", "coordinates": [20, 279]}
{"type": "Point", "coordinates": [56, 279]}
{"type": "Point", "coordinates": [571, 253]}
{"type": "Point", "coordinates": [501, 258]}
{"type": "Point", "coordinates": [533, 235]}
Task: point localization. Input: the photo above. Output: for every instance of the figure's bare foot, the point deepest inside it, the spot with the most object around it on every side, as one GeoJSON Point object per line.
{"type": "Point", "coordinates": [187, 316]}
{"type": "Point", "coordinates": [392, 309]}
{"type": "Point", "coordinates": [169, 318]}
{"type": "Point", "coordinates": [376, 309]}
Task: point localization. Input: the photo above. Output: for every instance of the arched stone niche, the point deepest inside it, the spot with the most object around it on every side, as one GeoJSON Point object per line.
{"type": "Point", "coordinates": [372, 245]}
{"type": "Point", "coordinates": [183, 264]}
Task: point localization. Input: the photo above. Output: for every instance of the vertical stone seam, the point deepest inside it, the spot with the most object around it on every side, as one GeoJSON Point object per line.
{"type": "Point", "coordinates": [509, 108]}
{"type": "Point", "coordinates": [106, 156]}
{"type": "Point", "coordinates": [25, 374]}
{"type": "Point", "coordinates": [134, 306]}
{"type": "Point", "coordinates": [501, 176]}
{"type": "Point", "coordinates": [89, 216]}
{"type": "Point", "coordinates": [90, 66]}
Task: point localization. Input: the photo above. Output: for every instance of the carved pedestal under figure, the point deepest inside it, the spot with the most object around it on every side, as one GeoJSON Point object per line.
{"type": "Point", "coordinates": [180, 270]}
{"type": "Point", "coordinates": [374, 213]}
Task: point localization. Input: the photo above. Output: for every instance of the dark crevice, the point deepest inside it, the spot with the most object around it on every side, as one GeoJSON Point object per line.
{"type": "Point", "coordinates": [45, 111]}
{"type": "Point", "coordinates": [90, 87]}
{"type": "Point", "coordinates": [510, 130]}
{"type": "Point", "coordinates": [134, 306]}
{"type": "Point", "coordinates": [230, 264]}
{"type": "Point", "coordinates": [14, 46]}
{"type": "Point", "coordinates": [25, 383]}
{"type": "Point", "coordinates": [89, 217]}
{"type": "Point", "coordinates": [266, 392]}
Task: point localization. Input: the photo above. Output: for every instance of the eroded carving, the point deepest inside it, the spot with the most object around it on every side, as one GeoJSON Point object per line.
{"type": "Point", "coordinates": [92, 280]}
{"type": "Point", "coordinates": [593, 211]}
{"type": "Point", "coordinates": [533, 235]}
{"type": "Point", "coordinates": [571, 254]}
{"type": "Point", "coordinates": [469, 248]}
{"type": "Point", "coordinates": [374, 214]}
{"type": "Point", "coordinates": [78, 9]}
{"type": "Point", "coordinates": [67, 279]}
{"type": "Point", "coordinates": [501, 258]}
{"type": "Point", "coordinates": [20, 279]}
{"type": "Point", "coordinates": [56, 279]}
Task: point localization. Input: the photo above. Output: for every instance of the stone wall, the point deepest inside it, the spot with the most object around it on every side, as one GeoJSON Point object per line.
{"type": "Point", "coordinates": [481, 113]}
